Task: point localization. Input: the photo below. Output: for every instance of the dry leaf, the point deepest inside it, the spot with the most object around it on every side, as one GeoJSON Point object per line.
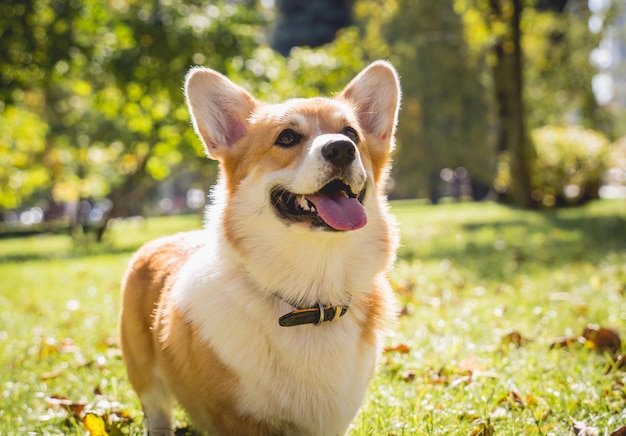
{"type": "Point", "coordinates": [76, 408]}
{"type": "Point", "coordinates": [400, 348]}
{"type": "Point", "coordinates": [620, 431]}
{"type": "Point", "coordinates": [406, 310]}
{"type": "Point", "coordinates": [50, 375]}
{"type": "Point", "coordinates": [564, 342]}
{"type": "Point", "coordinates": [602, 339]}
{"type": "Point", "coordinates": [405, 287]}
{"type": "Point", "coordinates": [513, 398]}
{"type": "Point", "coordinates": [484, 428]}
{"type": "Point", "coordinates": [120, 416]}
{"type": "Point", "coordinates": [47, 348]}
{"type": "Point", "coordinates": [408, 375]}
{"type": "Point", "coordinates": [68, 346]}
{"type": "Point", "coordinates": [58, 400]}
{"type": "Point", "coordinates": [514, 338]}
{"type": "Point", "coordinates": [436, 378]}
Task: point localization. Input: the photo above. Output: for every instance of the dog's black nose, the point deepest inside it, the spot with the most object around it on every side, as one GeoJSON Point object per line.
{"type": "Point", "coordinates": [340, 153]}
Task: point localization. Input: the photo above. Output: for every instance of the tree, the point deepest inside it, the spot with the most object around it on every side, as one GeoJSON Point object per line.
{"type": "Point", "coordinates": [106, 79]}
{"type": "Point", "coordinates": [443, 121]}
{"type": "Point", "coordinates": [538, 55]}
{"type": "Point", "coordinates": [508, 85]}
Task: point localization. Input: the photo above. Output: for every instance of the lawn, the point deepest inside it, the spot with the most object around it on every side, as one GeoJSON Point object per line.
{"type": "Point", "coordinates": [494, 302]}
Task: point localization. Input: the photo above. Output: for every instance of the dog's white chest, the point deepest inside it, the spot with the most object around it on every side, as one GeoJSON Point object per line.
{"type": "Point", "coordinates": [304, 378]}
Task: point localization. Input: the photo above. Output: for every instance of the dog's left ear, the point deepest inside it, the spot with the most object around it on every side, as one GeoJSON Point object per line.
{"type": "Point", "coordinates": [375, 95]}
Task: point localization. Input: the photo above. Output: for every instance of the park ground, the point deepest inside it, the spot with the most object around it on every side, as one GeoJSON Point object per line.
{"type": "Point", "coordinates": [510, 324]}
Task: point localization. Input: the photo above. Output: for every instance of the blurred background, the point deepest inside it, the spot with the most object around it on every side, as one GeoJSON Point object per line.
{"type": "Point", "coordinates": [516, 101]}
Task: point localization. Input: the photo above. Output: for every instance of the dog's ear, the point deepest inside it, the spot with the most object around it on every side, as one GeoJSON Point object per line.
{"type": "Point", "coordinates": [219, 110]}
{"type": "Point", "coordinates": [375, 95]}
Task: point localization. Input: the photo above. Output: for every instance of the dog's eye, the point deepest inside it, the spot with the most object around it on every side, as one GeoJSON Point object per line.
{"type": "Point", "coordinates": [351, 133]}
{"type": "Point", "coordinates": [288, 138]}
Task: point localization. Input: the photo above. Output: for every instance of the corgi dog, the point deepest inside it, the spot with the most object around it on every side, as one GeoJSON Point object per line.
{"type": "Point", "coordinates": [269, 320]}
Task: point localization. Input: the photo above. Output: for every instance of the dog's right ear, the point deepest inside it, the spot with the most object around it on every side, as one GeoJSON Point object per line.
{"type": "Point", "coordinates": [219, 110]}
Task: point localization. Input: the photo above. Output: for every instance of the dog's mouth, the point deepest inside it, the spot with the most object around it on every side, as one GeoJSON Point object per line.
{"type": "Point", "coordinates": [334, 207]}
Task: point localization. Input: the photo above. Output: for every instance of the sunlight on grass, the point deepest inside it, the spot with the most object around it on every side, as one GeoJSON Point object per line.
{"type": "Point", "coordinates": [469, 278]}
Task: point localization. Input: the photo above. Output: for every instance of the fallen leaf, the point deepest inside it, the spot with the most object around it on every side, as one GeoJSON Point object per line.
{"type": "Point", "coordinates": [564, 342]}
{"type": "Point", "coordinates": [405, 287]}
{"type": "Point", "coordinates": [58, 400]}
{"type": "Point", "coordinates": [602, 339]}
{"type": "Point", "coordinates": [51, 374]}
{"type": "Point", "coordinates": [68, 346]}
{"type": "Point", "coordinates": [484, 428]}
{"type": "Point", "coordinates": [513, 398]}
{"type": "Point", "coordinates": [406, 310]}
{"type": "Point", "coordinates": [47, 348]}
{"type": "Point", "coordinates": [109, 342]}
{"type": "Point", "coordinates": [436, 378]}
{"type": "Point", "coordinates": [582, 429]}
{"type": "Point", "coordinates": [400, 348]}
{"type": "Point", "coordinates": [408, 375]}
{"type": "Point", "coordinates": [120, 416]}
{"type": "Point", "coordinates": [470, 416]}
{"type": "Point", "coordinates": [95, 425]}
{"type": "Point", "coordinates": [514, 338]}
{"type": "Point", "coordinates": [620, 431]}
{"type": "Point", "coordinates": [76, 408]}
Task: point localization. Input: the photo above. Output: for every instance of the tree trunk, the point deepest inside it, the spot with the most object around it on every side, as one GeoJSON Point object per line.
{"type": "Point", "coordinates": [508, 83]}
{"type": "Point", "coordinates": [132, 190]}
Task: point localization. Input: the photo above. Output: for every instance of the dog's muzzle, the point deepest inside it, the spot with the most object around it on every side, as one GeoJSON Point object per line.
{"type": "Point", "coordinates": [334, 207]}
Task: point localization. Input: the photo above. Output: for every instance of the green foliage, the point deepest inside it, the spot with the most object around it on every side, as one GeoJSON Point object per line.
{"type": "Point", "coordinates": [468, 276]}
{"type": "Point", "coordinates": [569, 164]}
{"type": "Point", "coordinates": [555, 43]}
{"type": "Point", "coordinates": [556, 75]}
{"type": "Point", "coordinates": [100, 86]}
{"type": "Point", "coordinates": [443, 122]}
{"type": "Point", "coordinates": [22, 144]}
{"type": "Point", "coordinates": [107, 78]}
{"type": "Point", "coordinates": [308, 72]}
{"type": "Point", "coordinates": [556, 47]}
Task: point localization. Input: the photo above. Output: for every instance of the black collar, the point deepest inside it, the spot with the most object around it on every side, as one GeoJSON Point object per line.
{"type": "Point", "coordinates": [311, 315]}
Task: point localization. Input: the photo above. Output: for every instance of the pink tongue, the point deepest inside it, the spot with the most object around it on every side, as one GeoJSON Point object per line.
{"type": "Point", "coordinates": [339, 211]}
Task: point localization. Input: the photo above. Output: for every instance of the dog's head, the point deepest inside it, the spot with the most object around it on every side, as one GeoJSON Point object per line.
{"type": "Point", "coordinates": [316, 160]}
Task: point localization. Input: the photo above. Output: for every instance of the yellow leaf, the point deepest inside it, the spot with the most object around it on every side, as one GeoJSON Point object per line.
{"type": "Point", "coordinates": [95, 425]}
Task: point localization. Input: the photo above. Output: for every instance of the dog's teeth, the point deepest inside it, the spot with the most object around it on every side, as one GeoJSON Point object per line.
{"type": "Point", "coordinates": [302, 202]}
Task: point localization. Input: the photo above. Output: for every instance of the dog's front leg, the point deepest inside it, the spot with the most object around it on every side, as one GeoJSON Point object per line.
{"type": "Point", "coordinates": [157, 411]}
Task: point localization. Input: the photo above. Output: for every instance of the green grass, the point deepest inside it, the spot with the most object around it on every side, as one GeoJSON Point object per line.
{"type": "Point", "coordinates": [467, 276]}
